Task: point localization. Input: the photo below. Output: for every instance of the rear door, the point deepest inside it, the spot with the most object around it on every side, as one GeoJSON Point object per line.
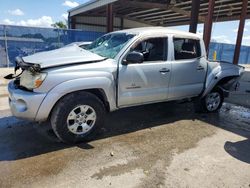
{"type": "Point", "coordinates": [188, 68]}
{"type": "Point", "coordinates": [147, 82]}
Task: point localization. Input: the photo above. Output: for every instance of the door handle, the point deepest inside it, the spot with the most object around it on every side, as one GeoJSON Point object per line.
{"type": "Point", "coordinates": [200, 68]}
{"type": "Point", "coordinates": [164, 70]}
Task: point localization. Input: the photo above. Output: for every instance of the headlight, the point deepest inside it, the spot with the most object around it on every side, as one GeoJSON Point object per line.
{"type": "Point", "coordinates": [32, 80]}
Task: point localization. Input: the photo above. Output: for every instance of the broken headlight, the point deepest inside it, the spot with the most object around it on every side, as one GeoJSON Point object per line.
{"type": "Point", "coordinates": [32, 80]}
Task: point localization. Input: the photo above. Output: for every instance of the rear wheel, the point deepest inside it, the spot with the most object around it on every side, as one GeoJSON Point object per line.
{"type": "Point", "coordinates": [77, 116]}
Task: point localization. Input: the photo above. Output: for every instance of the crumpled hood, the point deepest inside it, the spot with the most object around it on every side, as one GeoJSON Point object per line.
{"type": "Point", "coordinates": [63, 56]}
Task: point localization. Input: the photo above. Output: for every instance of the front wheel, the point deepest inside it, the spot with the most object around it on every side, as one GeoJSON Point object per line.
{"type": "Point", "coordinates": [77, 116]}
{"type": "Point", "coordinates": [212, 102]}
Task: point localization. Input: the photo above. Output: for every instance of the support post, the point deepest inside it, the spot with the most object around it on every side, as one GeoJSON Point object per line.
{"type": "Point", "coordinates": [69, 21]}
{"type": "Point", "coordinates": [110, 18]}
{"type": "Point", "coordinates": [122, 23]}
{"type": "Point", "coordinates": [247, 56]}
{"type": "Point", "coordinates": [209, 24]}
{"type": "Point", "coordinates": [194, 16]}
{"type": "Point", "coordinates": [6, 47]}
{"type": "Point", "coordinates": [72, 22]}
{"type": "Point", "coordinates": [240, 31]}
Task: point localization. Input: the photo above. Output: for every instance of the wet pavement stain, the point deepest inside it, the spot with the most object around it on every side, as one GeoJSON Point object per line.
{"type": "Point", "coordinates": [30, 169]}
{"type": "Point", "coordinates": [237, 116]}
{"type": "Point", "coordinates": [157, 148]}
{"type": "Point", "coordinates": [146, 138]}
{"type": "Point", "coordinates": [167, 140]}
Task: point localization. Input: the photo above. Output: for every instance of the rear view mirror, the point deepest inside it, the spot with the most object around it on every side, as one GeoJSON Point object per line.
{"type": "Point", "coordinates": [133, 58]}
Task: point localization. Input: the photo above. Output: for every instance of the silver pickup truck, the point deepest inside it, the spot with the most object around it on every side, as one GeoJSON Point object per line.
{"type": "Point", "coordinates": [73, 87]}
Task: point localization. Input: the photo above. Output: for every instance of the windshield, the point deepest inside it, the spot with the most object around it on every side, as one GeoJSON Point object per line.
{"type": "Point", "coordinates": [109, 45]}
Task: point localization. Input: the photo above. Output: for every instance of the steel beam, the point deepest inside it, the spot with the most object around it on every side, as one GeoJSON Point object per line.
{"type": "Point", "coordinates": [69, 21]}
{"type": "Point", "coordinates": [122, 23]}
{"type": "Point", "coordinates": [110, 18]}
{"type": "Point", "coordinates": [240, 31]}
{"type": "Point", "coordinates": [72, 23]}
{"type": "Point", "coordinates": [194, 16]}
{"type": "Point", "coordinates": [209, 24]}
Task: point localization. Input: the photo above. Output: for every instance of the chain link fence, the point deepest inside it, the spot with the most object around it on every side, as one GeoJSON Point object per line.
{"type": "Point", "coordinates": [225, 52]}
{"type": "Point", "coordinates": [22, 41]}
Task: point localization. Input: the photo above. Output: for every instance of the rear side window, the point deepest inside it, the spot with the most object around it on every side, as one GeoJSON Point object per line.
{"type": "Point", "coordinates": [186, 48]}
{"type": "Point", "coordinates": [153, 49]}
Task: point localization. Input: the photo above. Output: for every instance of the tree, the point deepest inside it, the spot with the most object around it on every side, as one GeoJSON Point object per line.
{"type": "Point", "coordinates": [60, 25]}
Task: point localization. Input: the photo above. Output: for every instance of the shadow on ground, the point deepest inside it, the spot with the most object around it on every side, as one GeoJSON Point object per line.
{"type": "Point", "coordinates": [239, 150]}
{"type": "Point", "coordinates": [20, 139]}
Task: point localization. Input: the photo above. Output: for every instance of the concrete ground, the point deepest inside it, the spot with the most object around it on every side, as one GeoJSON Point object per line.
{"type": "Point", "coordinates": [160, 145]}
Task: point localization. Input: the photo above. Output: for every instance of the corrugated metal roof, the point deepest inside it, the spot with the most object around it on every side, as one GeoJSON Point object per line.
{"type": "Point", "coordinates": [161, 12]}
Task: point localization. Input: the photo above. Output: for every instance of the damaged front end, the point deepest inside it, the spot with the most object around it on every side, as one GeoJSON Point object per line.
{"type": "Point", "coordinates": [30, 76]}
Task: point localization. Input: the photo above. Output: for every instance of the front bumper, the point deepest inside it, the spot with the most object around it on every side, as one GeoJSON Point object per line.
{"type": "Point", "coordinates": [24, 104]}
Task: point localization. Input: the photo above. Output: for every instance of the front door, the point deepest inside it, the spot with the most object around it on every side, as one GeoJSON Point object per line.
{"type": "Point", "coordinates": [146, 82]}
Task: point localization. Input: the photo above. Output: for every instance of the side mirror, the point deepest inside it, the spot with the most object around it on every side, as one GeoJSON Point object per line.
{"type": "Point", "coordinates": [133, 58]}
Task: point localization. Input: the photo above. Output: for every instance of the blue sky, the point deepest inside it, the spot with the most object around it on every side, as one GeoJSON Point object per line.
{"type": "Point", "coordinates": [225, 32]}
{"type": "Point", "coordinates": [43, 13]}
{"type": "Point", "coordinates": [35, 13]}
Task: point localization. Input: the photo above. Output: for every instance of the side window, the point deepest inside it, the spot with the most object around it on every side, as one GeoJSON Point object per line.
{"type": "Point", "coordinates": [186, 48]}
{"type": "Point", "coordinates": [152, 49]}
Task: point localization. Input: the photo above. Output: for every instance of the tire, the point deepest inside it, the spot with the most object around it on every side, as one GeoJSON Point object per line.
{"type": "Point", "coordinates": [211, 103]}
{"type": "Point", "coordinates": [77, 116]}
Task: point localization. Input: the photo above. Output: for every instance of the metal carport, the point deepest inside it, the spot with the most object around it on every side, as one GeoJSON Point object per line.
{"type": "Point", "coordinates": [109, 15]}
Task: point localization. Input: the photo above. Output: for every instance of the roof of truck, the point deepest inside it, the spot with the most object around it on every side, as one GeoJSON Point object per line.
{"type": "Point", "coordinates": [165, 30]}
